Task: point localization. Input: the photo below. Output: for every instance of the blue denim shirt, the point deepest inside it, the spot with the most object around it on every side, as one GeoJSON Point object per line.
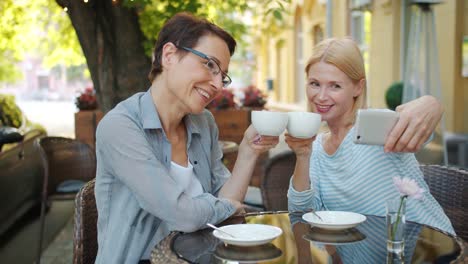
{"type": "Point", "coordinates": [134, 190]}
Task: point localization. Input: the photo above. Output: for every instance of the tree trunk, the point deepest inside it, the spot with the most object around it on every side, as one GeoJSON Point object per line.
{"type": "Point", "coordinates": [112, 43]}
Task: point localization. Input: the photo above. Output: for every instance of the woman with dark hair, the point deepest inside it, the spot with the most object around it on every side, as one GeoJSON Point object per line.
{"type": "Point", "coordinates": [159, 161]}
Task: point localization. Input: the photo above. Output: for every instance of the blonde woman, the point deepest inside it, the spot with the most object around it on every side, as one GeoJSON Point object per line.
{"type": "Point", "coordinates": [333, 173]}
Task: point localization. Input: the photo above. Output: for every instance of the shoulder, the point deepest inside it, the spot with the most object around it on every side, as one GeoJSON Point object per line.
{"type": "Point", "coordinates": [131, 105]}
{"type": "Point", "coordinates": [127, 109]}
{"type": "Point", "coordinates": [208, 116]}
{"type": "Point", "coordinates": [123, 117]}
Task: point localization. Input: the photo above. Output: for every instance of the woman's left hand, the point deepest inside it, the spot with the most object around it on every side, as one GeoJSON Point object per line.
{"type": "Point", "coordinates": [257, 142]}
{"type": "Point", "coordinates": [418, 119]}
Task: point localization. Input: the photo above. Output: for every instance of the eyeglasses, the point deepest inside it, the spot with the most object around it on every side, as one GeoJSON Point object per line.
{"type": "Point", "coordinates": [212, 66]}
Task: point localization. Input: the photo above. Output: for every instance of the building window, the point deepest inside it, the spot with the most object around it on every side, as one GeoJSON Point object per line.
{"type": "Point", "coordinates": [299, 62]}
{"type": "Point", "coordinates": [279, 93]}
{"type": "Point", "coordinates": [317, 34]}
{"type": "Point", "coordinates": [361, 32]}
{"type": "Point", "coordinates": [465, 57]}
{"type": "Point", "coordinates": [465, 44]}
{"type": "Point", "coordinates": [360, 4]}
{"type": "Point", "coordinates": [360, 25]}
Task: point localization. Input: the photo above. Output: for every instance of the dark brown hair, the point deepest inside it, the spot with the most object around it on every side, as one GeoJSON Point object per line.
{"type": "Point", "coordinates": [184, 29]}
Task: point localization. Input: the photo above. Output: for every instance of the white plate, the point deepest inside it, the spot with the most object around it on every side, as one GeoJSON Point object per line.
{"type": "Point", "coordinates": [248, 234]}
{"type": "Point", "coordinates": [334, 220]}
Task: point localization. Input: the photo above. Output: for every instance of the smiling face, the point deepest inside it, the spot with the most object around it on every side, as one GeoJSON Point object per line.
{"type": "Point", "coordinates": [332, 93]}
{"type": "Point", "coordinates": [190, 82]}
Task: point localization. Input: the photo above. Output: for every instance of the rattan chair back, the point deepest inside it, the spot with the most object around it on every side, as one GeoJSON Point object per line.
{"type": "Point", "coordinates": [449, 186]}
{"type": "Point", "coordinates": [275, 182]}
{"type": "Point", "coordinates": [85, 230]}
{"type": "Point", "coordinates": [63, 159]}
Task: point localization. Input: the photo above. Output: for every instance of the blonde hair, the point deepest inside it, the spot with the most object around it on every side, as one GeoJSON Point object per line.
{"type": "Point", "coordinates": [344, 54]}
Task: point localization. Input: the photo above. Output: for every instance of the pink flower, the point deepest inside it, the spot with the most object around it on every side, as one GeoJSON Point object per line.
{"type": "Point", "coordinates": [224, 100]}
{"type": "Point", "coordinates": [253, 97]}
{"type": "Point", "coordinates": [408, 187]}
{"type": "Point", "coordinates": [89, 90]}
{"type": "Point", "coordinates": [86, 100]}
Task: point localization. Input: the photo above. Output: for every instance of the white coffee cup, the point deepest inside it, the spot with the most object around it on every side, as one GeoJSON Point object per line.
{"type": "Point", "coordinates": [269, 123]}
{"type": "Point", "coordinates": [303, 124]}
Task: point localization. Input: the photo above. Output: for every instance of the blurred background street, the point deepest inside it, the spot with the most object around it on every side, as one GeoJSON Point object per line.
{"type": "Point", "coordinates": [56, 116]}
{"type": "Point", "coordinates": [61, 70]}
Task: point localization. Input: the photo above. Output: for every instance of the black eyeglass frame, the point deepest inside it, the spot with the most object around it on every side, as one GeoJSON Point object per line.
{"type": "Point", "coordinates": [226, 80]}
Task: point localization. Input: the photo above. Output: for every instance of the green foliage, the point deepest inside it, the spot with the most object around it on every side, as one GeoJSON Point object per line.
{"type": "Point", "coordinates": [226, 13]}
{"type": "Point", "coordinates": [10, 113]}
{"type": "Point", "coordinates": [393, 95]}
{"type": "Point", "coordinates": [38, 27]}
{"type": "Point", "coordinates": [12, 116]}
{"type": "Point", "coordinates": [42, 28]}
{"type": "Point", "coordinates": [77, 72]}
{"type": "Point", "coordinates": [59, 43]}
{"type": "Point", "coordinates": [11, 43]}
{"type": "Point", "coordinates": [153, 14]}
{"type": "Point", "coordinates": [269, 16]}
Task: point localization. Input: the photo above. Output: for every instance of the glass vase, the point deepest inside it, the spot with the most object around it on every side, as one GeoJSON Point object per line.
{"type": "Point", "coordinates": [396, 221]}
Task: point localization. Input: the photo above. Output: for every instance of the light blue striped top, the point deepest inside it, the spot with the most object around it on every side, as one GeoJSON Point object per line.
{"type": "Point", "coordinates": [358, 178]}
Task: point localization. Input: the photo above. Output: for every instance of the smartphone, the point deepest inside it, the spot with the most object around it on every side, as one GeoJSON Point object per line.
{"type": "Point", "coordinates": [373, 126]}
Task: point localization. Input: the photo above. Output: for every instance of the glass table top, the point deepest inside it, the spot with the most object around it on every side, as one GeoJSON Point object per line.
{"type": "Point", "coordinates": [301, 243]}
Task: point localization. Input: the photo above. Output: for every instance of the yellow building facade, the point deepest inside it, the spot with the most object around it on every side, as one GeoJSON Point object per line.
{"type": "Point", "coordinates": [382, 28]}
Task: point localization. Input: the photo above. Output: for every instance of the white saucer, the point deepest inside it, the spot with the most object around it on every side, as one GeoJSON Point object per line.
{"type": "Point", "coordinates": [334, 220]}
{"type": "Point", "coordinates": [248, 234]}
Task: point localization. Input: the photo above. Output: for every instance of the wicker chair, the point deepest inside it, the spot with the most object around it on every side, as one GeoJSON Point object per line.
{"type": "Point", "coordinates": [68, 164]}
{"type": "Point", "coordinates": [275, 183]}
{"type": "Point", "coordinates": [85, 233]}
{"type": "Point", "coordinates": [449, 186]}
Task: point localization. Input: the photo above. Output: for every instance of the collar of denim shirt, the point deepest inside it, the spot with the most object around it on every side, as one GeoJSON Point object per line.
{"type": "Point", "coordinates": [150, 116]}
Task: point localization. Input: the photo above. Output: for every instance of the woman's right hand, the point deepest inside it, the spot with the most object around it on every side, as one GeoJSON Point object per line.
{"type": "Point", "coordinates": [302, 147]}
{"type": "Point", "coordinates": [240, 207]}
{"type": "Point", "coordinates": [257, 143]}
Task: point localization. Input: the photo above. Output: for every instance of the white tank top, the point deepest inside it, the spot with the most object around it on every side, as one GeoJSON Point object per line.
{"type": "Point", "coordinates": [185, 177]}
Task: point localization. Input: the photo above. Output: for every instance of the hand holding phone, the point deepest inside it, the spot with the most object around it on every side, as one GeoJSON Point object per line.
{"type": "Point", "coordinates": [373, 126]}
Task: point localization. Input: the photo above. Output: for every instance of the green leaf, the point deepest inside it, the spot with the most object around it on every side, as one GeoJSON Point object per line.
{"type": "Point", "coordinates": [37, 27]}
{"type": "Point", "coordinates": [277, 14]}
